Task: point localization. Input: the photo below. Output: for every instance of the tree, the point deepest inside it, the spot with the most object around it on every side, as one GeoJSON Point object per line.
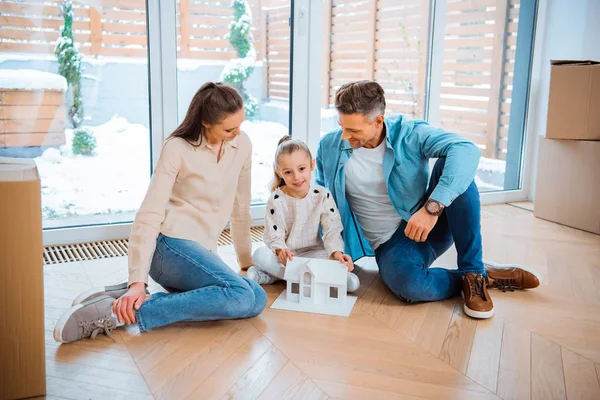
{"type": "Point", "coordinates": [238, 70]}
{"type": "Point", "coordinates": [69, 63]}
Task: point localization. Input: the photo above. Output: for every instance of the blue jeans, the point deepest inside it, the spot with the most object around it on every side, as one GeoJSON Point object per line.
{"type": "Point", "coordinates": [202, 287]}
{"type": "Point", "coordinates": [404, 264]}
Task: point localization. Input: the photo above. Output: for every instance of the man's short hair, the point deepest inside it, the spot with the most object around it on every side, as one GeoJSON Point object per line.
{"type": "Point", "coordinates": [361, 97]}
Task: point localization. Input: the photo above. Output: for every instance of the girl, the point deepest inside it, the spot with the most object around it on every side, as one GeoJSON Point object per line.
{"type": "Point", "coordinates": [201, 181]}
{"type": "Point", "coordinates": [295, 212]}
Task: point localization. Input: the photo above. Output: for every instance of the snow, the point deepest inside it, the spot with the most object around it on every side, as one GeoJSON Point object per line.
{"type": "Point", "coordinates": [192, 64]}
{"type": "Point", "coordinates": [29, 79]}
{"type": "Point", "coordinates": [115, 180]}
{"type": "Point", "coordinates": [492, 165]}
{"type": "Point", "coordinates": [240, 66]}
{"type": "Point", "coordinates": [264, 136]}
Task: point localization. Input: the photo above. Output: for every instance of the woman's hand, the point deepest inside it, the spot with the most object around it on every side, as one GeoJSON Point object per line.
{"type": "Point", "coordinates": [344, 259]}
{"type": "Point", "coordinates": [283, 255]}
{"type": "Point", "coordinates": [124, 306]}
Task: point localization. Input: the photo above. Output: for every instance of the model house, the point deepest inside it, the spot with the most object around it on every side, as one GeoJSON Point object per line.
{"type": "Point", "coordinates": [320, 282]}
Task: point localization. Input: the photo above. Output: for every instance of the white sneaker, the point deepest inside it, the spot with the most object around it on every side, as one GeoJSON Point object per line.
{"type": "Point", "coordinates": [260, 277]}
{"type": "Point", "coordinates": [353, 283]}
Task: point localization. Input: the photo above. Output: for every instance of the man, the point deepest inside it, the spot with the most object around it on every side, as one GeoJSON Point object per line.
{"type": "Point", "coordinates": [378, 170]}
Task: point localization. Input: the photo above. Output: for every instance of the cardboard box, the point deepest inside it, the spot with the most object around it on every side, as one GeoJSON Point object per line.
{"type": "Point", "coordinates": [574, 101]}
{"type": "Point", "coordinates": [22, 358]}
{"type": "Point", "coordinates": [568, 183]}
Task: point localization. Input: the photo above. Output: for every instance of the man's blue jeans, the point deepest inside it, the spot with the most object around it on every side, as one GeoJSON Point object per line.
{"type": "Point", "coordinates": [404, 264]}
{"type": "Point", "coordinates": [202, 287]}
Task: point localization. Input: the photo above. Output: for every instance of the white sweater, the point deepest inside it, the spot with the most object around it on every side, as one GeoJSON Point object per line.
{"type": "Point", "coordinates": [294, 223]}
{"type": "Point", "coordinates": [191, 197]}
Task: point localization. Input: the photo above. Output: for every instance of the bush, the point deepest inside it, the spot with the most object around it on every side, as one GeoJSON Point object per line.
{"type": "Point", "coordinates": [84, 142]}
{"type": "Point", "coordinates": [69, 63]}
{"type": "Point", "coordinates": [238, 70]}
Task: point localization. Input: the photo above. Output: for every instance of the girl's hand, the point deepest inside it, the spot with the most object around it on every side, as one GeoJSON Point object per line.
{"type": "Point", "coordinates": [124, 306]}
{"type": "Point", "coordinates": [283, 255]}
{"type": "Point", "coordinates": [344, 259]}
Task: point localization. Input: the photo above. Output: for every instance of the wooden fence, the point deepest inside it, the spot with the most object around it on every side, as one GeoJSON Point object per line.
{"type": "Point", "coordinates": [479, 58]}
{"type": "Point", "coordinates": [118, 27]}
{"type": "Point", "coordinates": [277, 50]}
{"type": "Point", "coordinates": [385, 40]}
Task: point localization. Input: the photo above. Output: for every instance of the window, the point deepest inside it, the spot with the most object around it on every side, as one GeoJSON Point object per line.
{"type": "Point", "coordinates": [295, 288]}
{"type": "Point", "coordinates": [476, 89]}
{"type": "Point", "coordinates": [467, 73]}
{"type": "Point", "coordinates": [92, 146]}
{"type": "Point", "coordinates": [307, 278]}
{"type": "Point", "coordinates": [133, 50]}
{"type": "Point", "coordinates": [333, 292]}
{"type": "Point", "coordinates": [258, 64]}
{"type": "Point", "coordinates": [307, 281]}
{"type": "Point", "coordinates": [307, 291]}
{"type": "Point", "coordinates": [393, 36]}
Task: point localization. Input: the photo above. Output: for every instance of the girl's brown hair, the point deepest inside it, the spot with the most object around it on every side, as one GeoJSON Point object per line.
{"type": "Point", "coordinates": [286, 145]}
{"type": "Point", "coordinates": [211, 104]}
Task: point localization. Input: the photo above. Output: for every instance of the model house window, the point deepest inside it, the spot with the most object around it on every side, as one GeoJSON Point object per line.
{"type": "Point", "coordinates": [333, 292]}
{"type": "Point", "coordinates": [295, 288]}
{"type": "Point", "coordinates": [307, 278]}
{"type": "Point", "coordinates": [307, 284]}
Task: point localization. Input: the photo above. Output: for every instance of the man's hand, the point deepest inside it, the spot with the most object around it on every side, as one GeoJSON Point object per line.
{"type": "Point", "coordinates": [419, 225]}
{"type": "Point", "coordinates": [124, 306]}
{"type": "Point", "coordinates": [283, 255]}
{"type": "Point", "coordinates": [344, 259]}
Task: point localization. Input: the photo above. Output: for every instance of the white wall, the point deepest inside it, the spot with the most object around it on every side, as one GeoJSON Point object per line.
{"type": "Point", "coordinates": [566, 29]}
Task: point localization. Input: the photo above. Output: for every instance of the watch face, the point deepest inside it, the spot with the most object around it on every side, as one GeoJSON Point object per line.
{"type": "Point", "coordinates": [433, 207]}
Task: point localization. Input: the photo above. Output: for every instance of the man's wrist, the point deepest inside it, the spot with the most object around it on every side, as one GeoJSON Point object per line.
{"type": "Point", "coordinates": [433, 207]}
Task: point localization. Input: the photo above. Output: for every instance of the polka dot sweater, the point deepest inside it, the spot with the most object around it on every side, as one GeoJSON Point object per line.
{"type": "Point", "coordinates": [294, 223]}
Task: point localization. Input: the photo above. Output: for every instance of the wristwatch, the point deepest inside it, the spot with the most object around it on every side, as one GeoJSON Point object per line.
{"type": "Point", "coordinates": [434, 207]}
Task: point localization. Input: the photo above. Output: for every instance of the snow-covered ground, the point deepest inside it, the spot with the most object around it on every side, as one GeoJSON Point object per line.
{"type": "Point", "coordinates": [112, 181]}
{"type": "Point", "coordinates": [116, 178]}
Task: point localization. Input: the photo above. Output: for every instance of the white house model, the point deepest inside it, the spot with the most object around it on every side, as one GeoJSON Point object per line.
{"type": "Point", "coordinates": [317, 286]}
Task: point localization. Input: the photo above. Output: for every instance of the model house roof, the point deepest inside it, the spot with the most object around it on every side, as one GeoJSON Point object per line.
{"type": "Point", "coordinates": [325, 271]}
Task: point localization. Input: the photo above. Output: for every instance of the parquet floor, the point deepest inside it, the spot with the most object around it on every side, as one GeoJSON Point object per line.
{"type": "Point", "coordinates": [542, 344]}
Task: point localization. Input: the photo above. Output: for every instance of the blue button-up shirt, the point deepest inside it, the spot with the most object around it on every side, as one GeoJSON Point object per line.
{"type": "Point", "coordinates": [409, 146]}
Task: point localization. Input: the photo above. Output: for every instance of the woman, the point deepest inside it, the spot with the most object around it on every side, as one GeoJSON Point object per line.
{"type": "Point", "coordinates": [201, 181]}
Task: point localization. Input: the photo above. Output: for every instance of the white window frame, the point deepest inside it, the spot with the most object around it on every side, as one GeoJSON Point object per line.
{"type": "Point", "coordinates": [307, 25]}
{"type": "Point", "coordinates": [436, 44]}
{"type": "Point", "coordinates": [162, 77]}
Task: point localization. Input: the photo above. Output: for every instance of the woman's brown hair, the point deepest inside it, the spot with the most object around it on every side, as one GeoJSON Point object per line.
{"type": "Point", "coordinates": [286, 145]}
{"type": "Point", "coordinates": [211, 104]}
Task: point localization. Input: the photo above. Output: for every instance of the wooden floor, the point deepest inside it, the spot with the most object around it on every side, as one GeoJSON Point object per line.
{"type": "Point", "coordinates": [542, 344]}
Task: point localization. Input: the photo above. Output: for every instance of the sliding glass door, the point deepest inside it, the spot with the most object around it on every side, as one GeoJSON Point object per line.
{"type": "Point", "coordinates": [74, 93]}
{"type": "Point", "coordinates": [91, 89]}
{"type": "Point", "coordinates": [464, 66]}
{"type": "Point", "coordinates": [247, 44]}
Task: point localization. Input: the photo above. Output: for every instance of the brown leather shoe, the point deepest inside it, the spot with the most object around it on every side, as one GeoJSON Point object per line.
{"type": "Point", "coordinates": [478, 303]}
{"type": "Point", "coordinates": [511, 276]}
